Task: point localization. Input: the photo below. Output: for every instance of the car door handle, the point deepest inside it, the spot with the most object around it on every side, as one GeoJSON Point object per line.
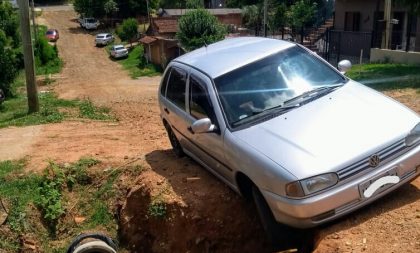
{"type": "Point", "coordinates": [166, 110]}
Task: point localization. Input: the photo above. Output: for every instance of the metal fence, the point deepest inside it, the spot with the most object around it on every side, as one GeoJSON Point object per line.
{"type": "Point", "coordinates": [353, 46]}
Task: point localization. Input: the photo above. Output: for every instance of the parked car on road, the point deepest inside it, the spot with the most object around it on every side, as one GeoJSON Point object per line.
{"type": "Point", "coordinates": [103, 39]}
{"type": "Point", "coordinates": [89, 23]}
{"type": "Point", "coordinates": [118, 51]}
{"type": "Point", "coordinates": [52, 35]}
{"type": "Point", "coordinates": [284, 128]}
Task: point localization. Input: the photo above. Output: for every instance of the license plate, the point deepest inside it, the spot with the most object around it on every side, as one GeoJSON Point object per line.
{"type": "Point", "coordinates": [378, 184]}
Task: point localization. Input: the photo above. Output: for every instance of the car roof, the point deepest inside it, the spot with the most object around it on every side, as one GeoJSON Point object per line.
{"type": "Point", "coordinates": [115, 46]}
{"type": "Point", "coordinates": [224, 56]}
{"type": "Point", "coordinates": [102, 34]}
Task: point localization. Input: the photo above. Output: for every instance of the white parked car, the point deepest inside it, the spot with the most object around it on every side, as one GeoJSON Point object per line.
{"type": "Point", "coordinates": [89, 23]}
{"type": "Point", "coordinates": [119, 51]}
{"type": "Point", "coordinates": [103, 39]}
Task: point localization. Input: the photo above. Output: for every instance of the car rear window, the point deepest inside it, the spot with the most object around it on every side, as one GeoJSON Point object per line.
{"type": "Point", "coordinates": [50, 32]}
{"type": "Point", "coordinates": [176, 87]}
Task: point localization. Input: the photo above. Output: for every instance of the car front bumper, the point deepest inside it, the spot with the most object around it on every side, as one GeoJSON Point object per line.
{"type": "Point", "coordinates": [343, 198]}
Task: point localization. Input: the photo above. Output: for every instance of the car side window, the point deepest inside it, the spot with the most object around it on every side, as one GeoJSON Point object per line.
{"type": "Point", "coordinates": [176, 87]}
{"type": "Point", "coordinates": [200, 105]}
{"type": "Point", "coordinates": [165, 82]}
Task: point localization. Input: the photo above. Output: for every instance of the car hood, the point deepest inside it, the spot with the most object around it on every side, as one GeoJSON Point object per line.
{"type": "Point", "coordinates": [332, 132]}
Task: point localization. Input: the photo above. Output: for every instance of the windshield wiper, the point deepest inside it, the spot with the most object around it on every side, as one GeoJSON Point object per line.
{"type": "Point", "coordinates": [276, 110]}
{"type": "Point", "coordinates": [320, 91]}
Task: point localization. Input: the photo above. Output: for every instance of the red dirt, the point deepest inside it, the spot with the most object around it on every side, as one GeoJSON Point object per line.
{"type": "Point", "coordinates": [203, 215]}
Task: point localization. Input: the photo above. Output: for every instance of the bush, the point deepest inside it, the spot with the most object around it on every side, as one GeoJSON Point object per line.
{"type": "Point", "coordinates": [44, 51]}
{"type": "Point", "coordinates": [128, 30]}
{"type": "Point", "coordinates": [198, 28]}
{"type": "Point", "coordinates": [8, 65]}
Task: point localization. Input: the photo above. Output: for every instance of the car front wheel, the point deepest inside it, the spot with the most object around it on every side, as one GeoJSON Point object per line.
{"type": "Point", "coordinates": [281, 237]}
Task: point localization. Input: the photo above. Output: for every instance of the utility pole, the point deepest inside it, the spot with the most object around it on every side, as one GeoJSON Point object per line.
{"type": "Point", "coordinates": [28, 55]}
{"type": "Point", "coordinates": [33, 21]}
{"type": "Point", "coordinates": [387, 18]}
{"type": "Point", "coordinates": [265, 18]}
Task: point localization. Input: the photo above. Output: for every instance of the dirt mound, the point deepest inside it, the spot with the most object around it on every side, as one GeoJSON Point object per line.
{"type": "Point", "coordinates": [202, 225]}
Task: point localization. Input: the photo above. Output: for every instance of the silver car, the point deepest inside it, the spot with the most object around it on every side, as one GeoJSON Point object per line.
{"type": "Point", "coordinates": [284, 128]}
{"type": "Point", "coordinates": [103, 39]}
{"type": "Point", "coordinates": [118, 51]}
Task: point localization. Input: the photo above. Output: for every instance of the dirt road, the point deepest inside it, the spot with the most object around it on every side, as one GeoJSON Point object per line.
{"type": "Point", "coordinates": [203, 215]}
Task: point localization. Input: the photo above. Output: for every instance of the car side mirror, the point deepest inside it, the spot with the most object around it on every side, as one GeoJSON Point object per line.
{"type": "Point", "coordinates": [202, 126]}
{"type": "Point", "coordinates": [344, 66]}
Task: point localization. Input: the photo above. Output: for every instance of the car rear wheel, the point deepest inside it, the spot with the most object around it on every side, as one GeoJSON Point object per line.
{"type": "Point", "coordinates": [176, 146]}
{"type": "Point", "coordinates": [281, 237]}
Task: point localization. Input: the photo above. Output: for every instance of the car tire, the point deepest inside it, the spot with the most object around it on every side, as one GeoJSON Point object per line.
{"type": "Point", "coordinates": [176, 146]}
{"type": "Point", "coordinates": [281, 237]}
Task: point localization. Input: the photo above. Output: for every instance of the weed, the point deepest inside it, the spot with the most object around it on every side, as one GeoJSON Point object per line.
{"type": "Point", "coordinates": [157, 208]}
{"type": "Point", "coordinates": [101, 215]}
{"type": "Point", "coordinates": [88, 110]}
{"type": "Point", "coordinates": [77, 173]}
{"type": "Point", "coordinates": [50, 195]}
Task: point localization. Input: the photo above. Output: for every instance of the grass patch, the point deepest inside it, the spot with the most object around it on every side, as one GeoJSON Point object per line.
{"type": "Point", "coordinates": [90, 111]}
{"type": "Point", "coordinates": [18, 191]}
{"type": "Point", "coordinates": [387, 76]}
{"type": "Point", "coordinates": [13, 112]}
{"type": "Point", "coordinates": [136, 66]}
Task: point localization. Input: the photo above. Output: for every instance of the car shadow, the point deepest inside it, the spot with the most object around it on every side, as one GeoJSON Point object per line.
{"type": "Point", "coordinates": [177, 171]}
{"type": "Point", "coordinates": [216, 202]}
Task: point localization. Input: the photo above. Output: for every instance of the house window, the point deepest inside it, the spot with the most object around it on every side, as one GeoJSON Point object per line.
{"type": "Point", "coordinates": [352, 21]}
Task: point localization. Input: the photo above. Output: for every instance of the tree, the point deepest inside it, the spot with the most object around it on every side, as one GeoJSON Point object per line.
{"type": "Point", "coordinates": [280, 18]}
{"type": "Point", "coordinates": [9, 46]}
{"type": "Point", "coordinates": [301, 14]}
{"type": "Point", "coordinates": [198, 28]}
{"type": "Point", "coordinates": [194, 4]}
{"type": "Point", "coordinates": [252, 17]}
{"type": "Point", "coordinates": [110, 8]}
{"type": "Point", "coordinates": [413, 5]}
{"type": "Point", "coordinates": [128, 30]}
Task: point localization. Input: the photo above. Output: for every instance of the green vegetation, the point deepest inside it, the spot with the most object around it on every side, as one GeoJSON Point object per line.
{"type": "Point", "coordinates": [11, 57]}
{"type": "Point", "coordinates": [198, 28]}
{"type": "Point", "coordinates": [61, 193]}
{"type": "Point", "coordinates": [128, 30]}
{"type": "Point", "coordinates": [157, 208]}
{"type": "Point", "coordinates": [101, 8]}
{"type": "Point", "coordinates": [387, 76]}
{"type": "Point", "coordinates": [136, 64]}
{"type": "Point", "coordinates": [13, 112]}
{"type": "Point", "coordinates": [46, 55]}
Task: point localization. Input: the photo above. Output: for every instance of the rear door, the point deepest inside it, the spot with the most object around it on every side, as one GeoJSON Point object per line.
{"type": "Point", "coordinates": [174, 102]}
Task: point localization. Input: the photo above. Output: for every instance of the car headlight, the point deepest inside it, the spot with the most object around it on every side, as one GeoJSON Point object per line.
{"type": "Point", "coordinates": [414, 136]}
{"type": "Point", "coordinates": [311, 185]}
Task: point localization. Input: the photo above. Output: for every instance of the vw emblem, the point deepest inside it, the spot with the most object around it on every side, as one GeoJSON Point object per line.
{"type": "Point", "coordinates": [374, 160]}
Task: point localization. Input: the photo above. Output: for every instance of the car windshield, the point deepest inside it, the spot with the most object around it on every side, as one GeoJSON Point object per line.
{"type": "Point", "coordinates": [118, 47]}
{"type": "Point", "coordinates": [272, 82]}
{"type": "Point", "coordinates": [50, 32]}
{"type": "Point", "coordinates": [100, 36]}
{"type": "Point", "coordinates": [91, 20]}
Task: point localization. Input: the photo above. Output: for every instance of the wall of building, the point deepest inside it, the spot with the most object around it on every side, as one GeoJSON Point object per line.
{"type": "Point", "coordinates": [366, 8]}
{"type": "Point", "coordinates": [231, 19]}
{"type": "Point", "coordinates": [394, 56]}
